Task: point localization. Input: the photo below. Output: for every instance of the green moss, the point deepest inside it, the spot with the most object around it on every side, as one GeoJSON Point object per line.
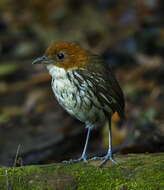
{"type": "Point", "coordinates": [134, 172]}
{"type": "Point", "coordinates": [143, 172]}
{"type": "Point", "coordinates": [19, 178]}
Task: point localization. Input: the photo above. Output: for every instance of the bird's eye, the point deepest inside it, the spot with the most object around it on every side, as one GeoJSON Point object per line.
{"type": "Point", "coordinates": [60, 55]}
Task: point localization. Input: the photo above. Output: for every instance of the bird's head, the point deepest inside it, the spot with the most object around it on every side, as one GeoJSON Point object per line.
{"type": "Point", "coordinates": [66, 55]}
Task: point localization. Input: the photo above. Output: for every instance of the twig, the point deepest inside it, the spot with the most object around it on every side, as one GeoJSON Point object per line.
{"type": "Point", "coordinates": [7, 180]}
{"type": "Point", "coordinates": [16, 156]}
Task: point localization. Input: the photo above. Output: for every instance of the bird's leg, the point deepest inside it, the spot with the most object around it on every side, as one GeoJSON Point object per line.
{"type": "Point", "coordinates": [108, 156]}
{"type": "Point", "coordinates": [83, 156]}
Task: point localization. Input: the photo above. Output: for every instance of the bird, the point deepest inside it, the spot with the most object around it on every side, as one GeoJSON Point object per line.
{"type": "Point", "coordinates": [85, 86]}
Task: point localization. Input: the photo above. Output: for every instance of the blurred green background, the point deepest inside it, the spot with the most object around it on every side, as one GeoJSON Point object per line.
{"type": "Point", "coordinates": [129, 35]}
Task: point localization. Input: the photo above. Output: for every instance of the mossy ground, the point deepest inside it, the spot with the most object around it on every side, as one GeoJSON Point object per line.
{"type": "Point", "coordinates": [134, 172]}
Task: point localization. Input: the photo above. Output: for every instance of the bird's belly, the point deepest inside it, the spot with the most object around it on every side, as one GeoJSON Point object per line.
{"type": "Point", "coordinates": [77, 102]}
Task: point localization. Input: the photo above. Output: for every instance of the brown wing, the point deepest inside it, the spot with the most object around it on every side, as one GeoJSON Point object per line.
{"type": "Point", "coordinates": [104, 85]}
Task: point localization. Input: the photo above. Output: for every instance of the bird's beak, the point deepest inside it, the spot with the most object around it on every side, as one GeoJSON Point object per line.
{"type": "Point", "coordinates": [42, 59]}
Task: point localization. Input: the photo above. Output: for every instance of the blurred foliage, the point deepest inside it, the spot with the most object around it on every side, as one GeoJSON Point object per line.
{"type": "Point", "coordinates": [130, 37]}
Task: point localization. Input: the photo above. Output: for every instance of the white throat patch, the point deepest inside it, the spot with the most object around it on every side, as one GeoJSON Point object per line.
{"type": "Point", "coordinates": [56, 72]}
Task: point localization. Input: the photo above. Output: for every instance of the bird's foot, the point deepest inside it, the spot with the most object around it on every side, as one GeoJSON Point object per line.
{"type": "Point", "coordinates": [82, 158]}
{"type": "Point", "coordinates": [97, 158]}
{"type": "Point", "coordinates": [104, 159]}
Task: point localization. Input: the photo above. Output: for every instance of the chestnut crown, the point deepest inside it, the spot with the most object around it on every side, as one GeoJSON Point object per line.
{"type": "Point", "coordinates": [65, 55]}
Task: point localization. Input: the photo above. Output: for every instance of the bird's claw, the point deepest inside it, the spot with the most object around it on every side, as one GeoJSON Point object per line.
{"type": "Point", "coordinates": [71, 161]}
{"type": "Point", "coordinates": [97, 158]}
{"type": "Point", "coordinates": [82, 159]}
{"type": "Point", "coordinates": [104, 159]}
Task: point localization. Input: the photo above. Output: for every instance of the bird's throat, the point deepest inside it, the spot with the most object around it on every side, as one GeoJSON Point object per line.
{"type": "Point", "coordinates": [56, 72]}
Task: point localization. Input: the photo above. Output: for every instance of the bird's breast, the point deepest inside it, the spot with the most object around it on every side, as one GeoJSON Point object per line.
{"type": "Point", "coordinates": [74, 94]}
{"type": "Point", "coordinates": [64, 90]}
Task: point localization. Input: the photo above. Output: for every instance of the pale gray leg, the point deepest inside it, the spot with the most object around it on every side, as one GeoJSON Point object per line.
{"type": "Point", "coordinates": [83, 156]}
{"type": "Point", "coordinates": [108, 156]}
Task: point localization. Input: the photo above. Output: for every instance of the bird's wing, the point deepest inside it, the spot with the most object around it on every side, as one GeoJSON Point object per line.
{"type": "Point", "coordinates": [104, 85]}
